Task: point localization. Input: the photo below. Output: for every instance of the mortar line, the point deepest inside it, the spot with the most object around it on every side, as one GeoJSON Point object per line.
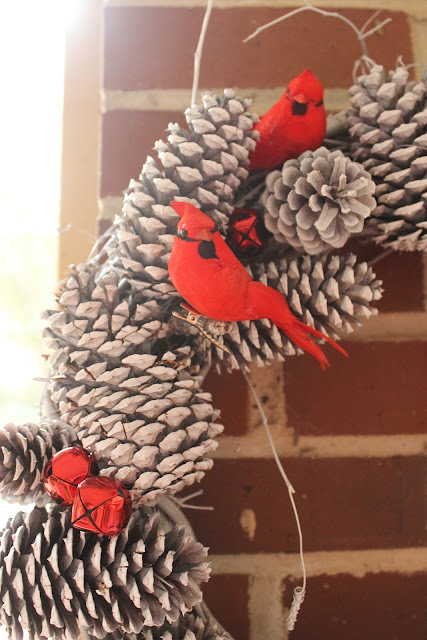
{"type": "Point", "coordinates": [254, 445]}
{"type": "Point", "coordinates": [356, 562]}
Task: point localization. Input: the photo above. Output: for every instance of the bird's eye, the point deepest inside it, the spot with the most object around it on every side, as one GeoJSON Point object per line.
{"type": "Point", "coordinates": [182, 233]}
{"type": "Point", "coordinates": [319, 104]}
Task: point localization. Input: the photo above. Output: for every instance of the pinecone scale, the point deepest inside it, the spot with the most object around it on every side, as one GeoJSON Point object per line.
{"type": "Point", "coordinates": [388, 122]}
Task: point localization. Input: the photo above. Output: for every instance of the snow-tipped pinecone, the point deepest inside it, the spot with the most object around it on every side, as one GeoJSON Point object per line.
{"type": "Point", "coordinates": [143, 415]}
{"type": "Point", "coordinates": [204, 165]}
{"type": "Point", "coordinates": [24, 453]}
{"type": "Point", "coordinates": [329, 293]}
{"type": "Point", "coordinates": [55, 578]}
{"type": "Point", "coordinates": [315, 202]}
{"type": "Point", "coordinates": [188, 627]}
{"type": "Point", "coordinates": [388, 122]}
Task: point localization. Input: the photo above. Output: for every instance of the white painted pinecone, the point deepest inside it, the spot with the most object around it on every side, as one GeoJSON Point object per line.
{"type": "Point", "coordinates": [388, 122]}
{"type": "Point", "coordinates": [24, 452]}
{"type": "Point", "coordinates": [56, 580]}
{"type": "Point", "coordinates": [143, 415]}
{"type": "Point", "coordinates": [204, 165]}
{"type": "Point", "coordinates": [331, 293]}
{"type": "Point", "coordinates": [188, 627]}
{"type": "Point", "coordinates": [314, 203]}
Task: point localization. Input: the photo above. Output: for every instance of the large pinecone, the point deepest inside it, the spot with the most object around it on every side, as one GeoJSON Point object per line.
{"type": "Point", "coordinates": [388, 122]}
{"type": "Point", "coordinates": [315, 202]}
{"type": "Point", "coordinates": [55, 579]}
{"type": "Point", "coordinates": [134, 402]}
{"type": "Point", "coordinates": [330, 293]}
{"type": "Point", "coordinates": [204, 165]}
{"type": "Point", "coordinates": [188, 627]}
{"type": "Point", "coordinates": [25, 451]}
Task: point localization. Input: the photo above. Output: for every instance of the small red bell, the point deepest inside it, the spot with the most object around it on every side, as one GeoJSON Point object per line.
{"type": "Point", "coordinates": [65, 471]}
{"type": "Point", "coordinates": [246, 234]}
{"type": "Point", "coordinates": [102, 505]}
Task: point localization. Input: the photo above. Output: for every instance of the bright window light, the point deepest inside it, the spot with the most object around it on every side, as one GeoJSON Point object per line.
{"type": "Point", "coordinates": [32, 42]}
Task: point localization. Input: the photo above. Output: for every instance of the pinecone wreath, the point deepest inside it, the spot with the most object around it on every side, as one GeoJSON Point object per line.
{"type": "Point", "coordinates": [126, 382]}
{"type": "Point", "coordinates": [388, 123]}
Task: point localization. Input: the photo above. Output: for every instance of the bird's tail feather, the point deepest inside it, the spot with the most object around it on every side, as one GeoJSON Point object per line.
{"type": "Point", "coordinates": [312, 347]}
{"type": "Point", "coordinates": [301, 334]}
{"type": "Point", "coordinates": [267, 302]}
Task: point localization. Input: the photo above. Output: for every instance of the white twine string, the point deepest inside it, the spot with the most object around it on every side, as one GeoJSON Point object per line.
{"type": "Point", "coordinates": [299, 592]}
{"type": "Point", "coordinates": [198, 53]}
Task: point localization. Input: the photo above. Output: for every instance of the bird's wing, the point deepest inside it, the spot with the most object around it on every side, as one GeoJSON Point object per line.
{"type": "Point", "coordinates": [226, 257]}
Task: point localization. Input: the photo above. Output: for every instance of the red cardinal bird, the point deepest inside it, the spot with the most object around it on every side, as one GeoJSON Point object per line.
{"type": "Point", "coordinates": [207, 274]}
{"type": "Point", "coordinates": [296, 123]}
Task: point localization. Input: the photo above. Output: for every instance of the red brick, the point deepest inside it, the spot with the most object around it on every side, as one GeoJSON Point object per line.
{"type": "Point", "coordinates": [230, 395]}
{"type": "Point", "coordinates": [345, 503]}
{"type": "Point", "coordinates": [153, 47]}
{"type": "Point", "coordinates": [227, 598]}
{"type": "Point", "coordinates": [127, 138]}
{"type": "Point", "coordinates": [379, 389]}
{"type": "Point", "coordinates": [383, 605]}
{"type": "Point", "coordinates": [401, 273]}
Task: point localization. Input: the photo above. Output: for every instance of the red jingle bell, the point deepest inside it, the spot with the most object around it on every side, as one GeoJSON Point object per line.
{"type": "Point", "coordinates": [65, 471]}
{"type": "Point", "coordinates": [246, 233]}
{"type": "Point", "coordinates": [102, 505]}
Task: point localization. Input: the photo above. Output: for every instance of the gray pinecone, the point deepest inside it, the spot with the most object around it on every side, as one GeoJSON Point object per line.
{"type": "Point", "coordinates": [203, 165]}
{"type": "Point", "coordinates": [25, 450]}
{"type": "Point", "coordinates": [329, 293]}
{"type": "Point", "coordinates": [55, 578]}
{"type": "Point", "coordinates": [143, 415]}
{"type": "Point", "coordinates": [188, 627]}
{"type": "Point", "coordinates": [315, 202]}
{"type": "Point", "coordinates": [388, 122]}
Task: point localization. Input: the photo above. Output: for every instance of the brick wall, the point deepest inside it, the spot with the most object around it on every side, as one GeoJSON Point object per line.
{"type": "Point", "coordinates": [351, 439]}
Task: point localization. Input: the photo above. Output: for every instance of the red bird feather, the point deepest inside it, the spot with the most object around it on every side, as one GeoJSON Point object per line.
{"type": "Point", "coordinates": [294, 124]}
{"type": "Point", "coordinates": [210, 278]}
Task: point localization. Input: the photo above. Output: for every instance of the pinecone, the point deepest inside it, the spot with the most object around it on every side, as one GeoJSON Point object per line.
{"type": "Point", "coordinates": [55, 579]}
{"type": "Point", "coordinates": [188, 627]}
{"type": "Point", "coordinates": [316, 201]}
{"type": "Point", "coordinates": [204, 165]}
{"type": "Point", "coordinates": [143, 415]}
{"type": "Point", "coordinates": [388, 122]}
{"type": "Point", "coordinates": [330, 293]}
{"type": "Point", "coordinates": [25, 451]}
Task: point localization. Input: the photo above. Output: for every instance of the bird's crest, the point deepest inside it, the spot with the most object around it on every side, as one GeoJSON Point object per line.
{"type": "Point", "coordinates": [191, 217]}
{"type": "Point", "coordinates": [307, 85]}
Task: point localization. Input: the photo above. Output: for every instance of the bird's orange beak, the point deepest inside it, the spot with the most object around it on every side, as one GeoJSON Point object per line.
{"type": "Point", "coordinates": [300, 98]}
{"type": "Point", "coordinates": [204, 234]}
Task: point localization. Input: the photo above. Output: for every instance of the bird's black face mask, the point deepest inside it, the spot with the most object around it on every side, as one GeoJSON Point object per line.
{"type": "Point", "coordinates": [206, 250]}
{"type": "Point", "coordinates": [299, 108]}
